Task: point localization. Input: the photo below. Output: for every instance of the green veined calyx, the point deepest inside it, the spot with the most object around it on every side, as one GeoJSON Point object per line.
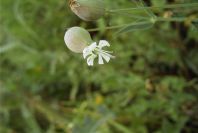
{"type": "Point", "coordinates": [88, 10]}
{"type": "Point", "coordinates": [77, 38]}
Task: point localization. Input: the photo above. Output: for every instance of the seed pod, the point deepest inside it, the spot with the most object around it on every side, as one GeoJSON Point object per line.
{"type": "Point", "coordinates": [88, 10]}
{"type": "Point", "coordinates": [77, 39]}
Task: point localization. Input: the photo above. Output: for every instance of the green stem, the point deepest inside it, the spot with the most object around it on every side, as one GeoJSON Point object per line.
{"type": "Point", "coordinates": [181, 19]}
{"type": "Point", "coordinates": [108, 27]}
{"type": "Point", "coordinates": [153, 20]}
{"type": "Point", "coordinates": [129, 15]}
{"type": "Point", "coordinates": [154, 7]}
{"type": "Point", "coordinates": [119, 26]}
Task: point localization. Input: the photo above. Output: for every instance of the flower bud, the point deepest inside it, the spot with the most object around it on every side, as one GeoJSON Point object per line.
{"type": "Point", "coordinates": [77, 39]}
{"type": "Point", "coordinates": [88, 10]}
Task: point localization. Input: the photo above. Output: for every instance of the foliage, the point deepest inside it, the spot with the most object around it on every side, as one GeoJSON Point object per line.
{"type": "Point", "coordinates": [151, 86]}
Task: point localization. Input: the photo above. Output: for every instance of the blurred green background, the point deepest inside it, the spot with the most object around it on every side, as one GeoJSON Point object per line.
{"type": "Point", "coordinates": [151, 86]}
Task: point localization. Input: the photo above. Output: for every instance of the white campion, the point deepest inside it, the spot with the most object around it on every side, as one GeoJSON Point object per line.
{"type": "Point", "coordinates": [93, 51]}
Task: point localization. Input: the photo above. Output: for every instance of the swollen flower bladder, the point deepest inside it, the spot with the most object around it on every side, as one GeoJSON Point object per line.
{"type": "Point", "coordinates": [88, 10]}
{"type": "Point", "coordinates": [77, 38]}
{"type": "Point", "coordinates": [93, 51]}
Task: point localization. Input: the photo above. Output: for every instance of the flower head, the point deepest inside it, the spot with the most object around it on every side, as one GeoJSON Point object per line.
{"type": "Point", "coordinates": [79, 40]}
{"type": "Point", "coordinates": [88, 10]}
{"type": "Point", "coordinates": [93, 51]}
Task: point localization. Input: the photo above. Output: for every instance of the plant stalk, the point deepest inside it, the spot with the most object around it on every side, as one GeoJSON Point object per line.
{"type": "Point", "coordinates": [155, 7]}
{"type": "Point", "coordinates": [153, 20]}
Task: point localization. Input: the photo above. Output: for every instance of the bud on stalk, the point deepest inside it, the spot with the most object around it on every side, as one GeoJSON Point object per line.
{"type": "Point", "coordinates": [77, 39]}
{"type": "Point", "coordinates": [88, 10]}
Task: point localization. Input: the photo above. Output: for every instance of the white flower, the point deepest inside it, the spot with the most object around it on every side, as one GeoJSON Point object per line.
{"type": "Point", "coordinates": [93, 51]}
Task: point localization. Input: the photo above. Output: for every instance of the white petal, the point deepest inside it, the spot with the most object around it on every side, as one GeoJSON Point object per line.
{"type": "Point", "coordinates": [85, 55]}
{"type": "Point", "coordinates": [103, 43]}
{"type": "Point", "coordinates": [104, 51]}
{"type": "Point", "coordinates": [86, 52]}
{"type": "Point", "coordinates": [92, 46]}
{"type": "Point", "coordinates": [100, 60]}
{"type": "Point", "coordinates": [90, 60]}
{"type": "Point", "coordinates": [111, 56]}
{"type": "Point", "coordinates": [105, 56]}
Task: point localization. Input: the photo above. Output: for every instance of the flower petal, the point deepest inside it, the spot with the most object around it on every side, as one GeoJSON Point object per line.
{"type": "Point", "coordinates": [89, 49]}
{"type": "Point", "coordinates": [92, 46]}
{"type": "Point", "coordinates": [90, 60]}
{"type": "Point", "coordinates": [92, 51]}
{"type": "Point", "coordinates": [105, 56]}
{"type": "Point", "coordinates": [86, 52]}
{"type": "Point", "coordinates": [100, 59]}
{"type": "Point", "coordinates": [103, 43]}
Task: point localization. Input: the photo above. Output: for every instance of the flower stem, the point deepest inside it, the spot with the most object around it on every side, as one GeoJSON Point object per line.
{"type": "Point", "coordinates": [179, 19]}
{"type": "Point", "coordinates": [108, 27]}
{"type": "Point", "coordinates": [155, 7]}
{"type": "Point", "coordinates": [150, 20]}
{"type": "Point", "coordinates": [129, 15]}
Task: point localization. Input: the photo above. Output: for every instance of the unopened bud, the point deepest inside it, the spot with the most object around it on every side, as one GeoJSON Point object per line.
{"type": "Point", "coordinates": [88, 10]}
{"type": "Point", "coordinates": [77, 39]}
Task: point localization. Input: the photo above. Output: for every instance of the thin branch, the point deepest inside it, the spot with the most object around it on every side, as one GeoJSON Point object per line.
{"type": "Point", "coordinates": [155, 7]}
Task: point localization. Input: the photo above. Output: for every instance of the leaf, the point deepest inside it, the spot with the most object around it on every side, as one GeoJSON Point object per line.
{"type": "Point", "coordinates": [195, 24]}
{"type": "Point", "coordinates": [91, 125]}
{"type": "Point", "coordinates": [134, 27]}
{"type": "Point", "coordinates": [31, 124]}
{"type": "Point", "coordinates": [158, 2]}
{"type": "Point", "coordinates": [191, 65]}
{"type": "Point", "coordinates": [168, 127]}
{"type": "Point", "coordinates": [141, 3]}
{"type": "Point", "coordinates": [120, 127]}
{"type": "Point", "coordinates": [7, 47]}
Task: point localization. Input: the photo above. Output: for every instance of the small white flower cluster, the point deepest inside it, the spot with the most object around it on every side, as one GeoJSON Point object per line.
{"type": "Point", "coordinates": [93, 51]}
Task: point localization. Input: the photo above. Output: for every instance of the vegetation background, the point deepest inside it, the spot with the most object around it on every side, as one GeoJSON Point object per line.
{"type": "Point", "coordinates": [151, 86]}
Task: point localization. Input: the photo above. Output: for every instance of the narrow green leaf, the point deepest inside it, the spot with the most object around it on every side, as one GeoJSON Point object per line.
{"type": "Point", "coordinates": [134, 27]}
{"type": "Point", "coordinates": [140, 4]}
{"type": "Point", "coordinates": [195, 24]}
{"type": "Point", "coordinates": [120, 127]}
{"type": "Point", "coordinates": [30, 121]}
{"type": "Point", "coordinates": [91, 125]}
